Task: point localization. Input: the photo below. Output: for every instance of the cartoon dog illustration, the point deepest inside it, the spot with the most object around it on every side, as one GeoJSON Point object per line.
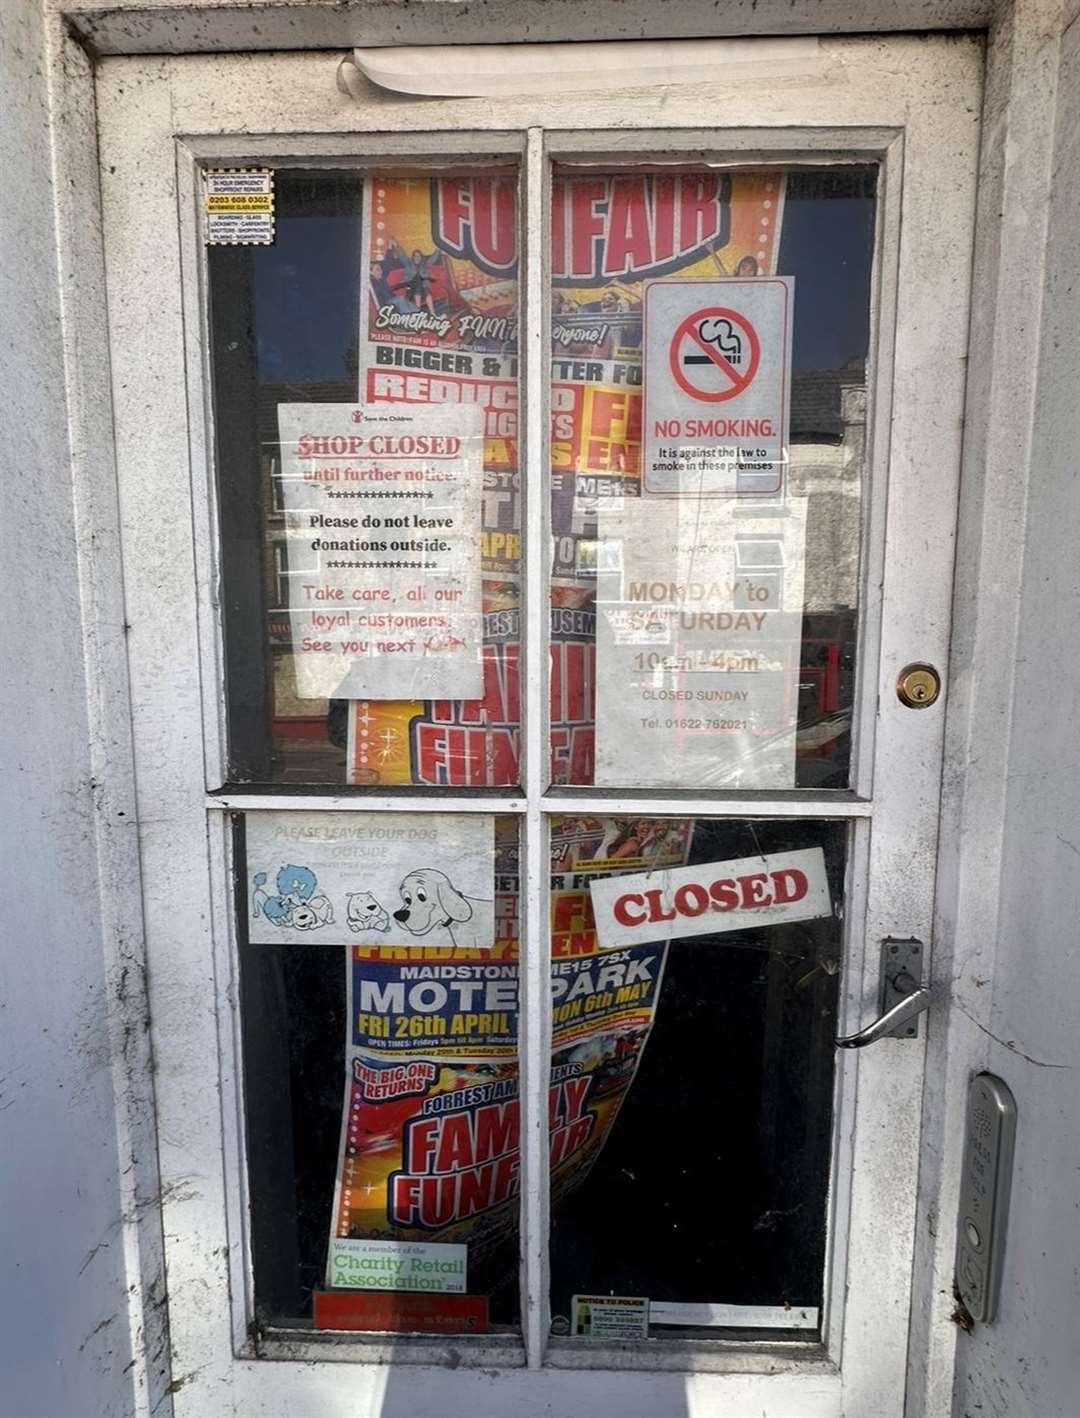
{"type": "Point", "coordinates": [276, 909]}
{"type": "Point", "coordinates": [296, 884]}
{"type": "Point", "coordinates": [364, 913]}
{"type": "Point", "coordinates": [296, 906]}
{"type": "Point", "coordinates": [430, 899]}
{"type": "Point", "coordinates": [309, 915]}
{"type": "Point", "coordinates": [259, 897]}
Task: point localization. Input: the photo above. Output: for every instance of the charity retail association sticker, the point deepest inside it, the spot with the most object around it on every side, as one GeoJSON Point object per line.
{"type": "Point", "coordinates": [437, 1267]}
{"type": "Point", "coordinates": [717, 378]}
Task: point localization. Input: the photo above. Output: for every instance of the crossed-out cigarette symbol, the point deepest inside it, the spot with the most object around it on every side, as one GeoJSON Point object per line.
{"type": "Point", "coordinates": [715, 330]}
{"type": "Point", "coordinates": [714, 354]}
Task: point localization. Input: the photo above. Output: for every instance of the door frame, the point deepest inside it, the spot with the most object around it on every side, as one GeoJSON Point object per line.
{"type": "Point", "coordinates": [909, 112]}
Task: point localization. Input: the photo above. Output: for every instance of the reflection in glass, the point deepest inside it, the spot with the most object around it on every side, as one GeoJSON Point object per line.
{"type": "Point", "coordinates": [712, 563]}
{"type": "Point", "coordinates": [384, 293]}
{"type": "Point", "coordinates": [381, 1076]}
{"type": "Point", "coordinates": [428, 316]}
{"type": "Point", "coordinates": [706, 1063]}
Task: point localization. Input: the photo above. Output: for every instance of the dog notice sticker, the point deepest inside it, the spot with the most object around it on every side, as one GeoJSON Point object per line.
{"type": "Point", "coordinates": [366, 878]}
{"type": "Point", "coordinates": [239, 206]}
{"type": "Point", "coordinates": [717, 385]}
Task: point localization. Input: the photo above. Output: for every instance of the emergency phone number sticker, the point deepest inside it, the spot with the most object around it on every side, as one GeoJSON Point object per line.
{"type": "Point", "coordinates": [239, 206]}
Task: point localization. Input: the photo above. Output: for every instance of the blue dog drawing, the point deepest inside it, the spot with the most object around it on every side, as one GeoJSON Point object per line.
{"type": "Point", "coordinates": [296, 884]}
{"type": "Point", "coordinates": [296, 904]}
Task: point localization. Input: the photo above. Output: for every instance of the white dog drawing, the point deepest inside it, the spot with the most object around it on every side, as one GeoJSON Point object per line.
{"type": "Point", "coordinates": [364, 913]}
{"type": "Point", "coordinates": [430, 899]}
{"type": "Point", "coordinates": [310, 915]}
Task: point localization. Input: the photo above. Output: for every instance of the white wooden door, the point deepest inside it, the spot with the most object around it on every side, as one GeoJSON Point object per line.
{"type": "Point", "coordinates": [773, 1231]}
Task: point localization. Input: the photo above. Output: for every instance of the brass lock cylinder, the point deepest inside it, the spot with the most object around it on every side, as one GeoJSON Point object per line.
{"type": "Point", "coordinates": [918, 686]}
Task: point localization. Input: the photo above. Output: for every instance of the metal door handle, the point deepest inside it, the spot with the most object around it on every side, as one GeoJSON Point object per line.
{"type": "Point", "coordinates": [915, 1000]}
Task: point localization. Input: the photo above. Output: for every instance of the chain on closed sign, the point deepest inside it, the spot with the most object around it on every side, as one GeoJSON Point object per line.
{"type": "Point", "coordinates": [717, 385]}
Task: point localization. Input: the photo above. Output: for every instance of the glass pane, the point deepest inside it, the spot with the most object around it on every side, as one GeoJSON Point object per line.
{"type": "Point", "coordinates": [710, 339]}
{"type": "Point", "coordinates": [371, 535]}
{"type": "Point", "coordinates": [695, 971]}
{"type": "Point", "coordinates": [378, 982]}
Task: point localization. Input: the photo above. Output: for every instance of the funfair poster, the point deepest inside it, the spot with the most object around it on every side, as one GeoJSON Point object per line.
{"type": "Point", "coordinates": [430, 1136]}
{"type": "Point", "coordinates": [440, 326]}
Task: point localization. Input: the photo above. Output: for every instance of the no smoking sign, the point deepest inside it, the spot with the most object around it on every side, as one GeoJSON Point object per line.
{"type": "Point", "coordinates": [715, 354]}
{"type": "Point", "coordinates": [717, 385]}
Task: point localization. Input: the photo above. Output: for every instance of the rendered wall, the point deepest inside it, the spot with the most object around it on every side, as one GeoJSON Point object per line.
{"type": "Point", "coordinates": [1027, 1364]}
{"type": "Point", "coordinates": [64, 1340]}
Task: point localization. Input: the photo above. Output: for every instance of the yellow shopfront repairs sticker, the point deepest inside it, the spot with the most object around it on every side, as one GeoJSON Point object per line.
{"type": "Point", "coordinates": [239, 205]}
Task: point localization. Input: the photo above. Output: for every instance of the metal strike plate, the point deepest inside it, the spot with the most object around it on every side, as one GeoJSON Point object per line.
{"type": "Point", "coordinates": [901, 972]}
{"type": "Point", "coordinates": [984, 1194]}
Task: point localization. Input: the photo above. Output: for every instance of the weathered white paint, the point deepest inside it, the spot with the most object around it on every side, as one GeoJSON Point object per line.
{"type": "Point", "coordinates": [1010, 898]}
{"type": "Point", "coordinates": [925, 378]}
{"type": "Point", "coordinates": [185, 26]}
{"type": "Point", "coordinates": [1005, 927]}
{"type": "Point", "coordinates": [90, 423]}
{"type": "Point", "coordinates": [535, 969]}
{"type": "Point", "coordinates": [1004, 1370]}
{"type": "Point", "coordinates": [75, 1082]}
{"type": "Point", "coordinates": [914, 105]}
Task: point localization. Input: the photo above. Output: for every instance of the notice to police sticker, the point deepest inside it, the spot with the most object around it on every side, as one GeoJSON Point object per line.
{"type": "Point", "coordinates": [239, 206]}
{"type": "Point", "coordinates": [609, 1317]}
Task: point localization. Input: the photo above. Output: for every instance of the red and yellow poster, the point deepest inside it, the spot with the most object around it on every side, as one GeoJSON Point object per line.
{"type": "Point", "coordinates": [609, 236]}
{"type": "Point", "coordinates": [430, 1137]}
{"type": "Point", "coordinates": [440, 325]}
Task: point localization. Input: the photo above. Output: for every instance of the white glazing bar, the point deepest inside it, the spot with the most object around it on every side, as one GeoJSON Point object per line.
{"type": "Point", "coordinates": [534, 970]}
{"type": "Point", "coordinates": [734, 1316]}
{"type": "Point", "coordinates": [837, 807]}
{"type": "Point", "coordinates": [362, 150]}
{"type": "Point", "coordinates": [841, 806]}
{"type": "Point", "coordinates": [356, 802]}
{"type": "Point", "coordinates": [875, 472]}
{"type": "Point", "coordinates": [226, 967]}
{"type": "Point", "coordinates": [741, 146]}
{"type": "Point", "coordinates": [854, 951]}
{"type": "Point", "coordinates": [204, 504]}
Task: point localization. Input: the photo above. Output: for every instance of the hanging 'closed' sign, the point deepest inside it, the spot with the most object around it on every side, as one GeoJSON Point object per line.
{"type": "Point", "coordinates": [710, 897]}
